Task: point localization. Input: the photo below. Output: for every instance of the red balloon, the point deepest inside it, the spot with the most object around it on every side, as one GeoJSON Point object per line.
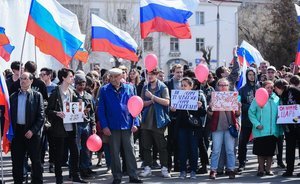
{"type": "Point", "coordinates": [135, 105]}
{"type": "Point", "coordinates": [151, 62]}
{"type": "Point", "coordinates": [94, 143]}
{"type": "Point", "coordinates": [261, 97]}
{"type": "Point", "coordinates": [201, 72]}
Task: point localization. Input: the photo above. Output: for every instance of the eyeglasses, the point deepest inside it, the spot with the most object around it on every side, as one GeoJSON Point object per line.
{"type": "Point", "coordinates": [42, 74]}
{"type": "Point", "coordinates": [24, 78]}
{"type": "Point", "coordinates": [223, 85]}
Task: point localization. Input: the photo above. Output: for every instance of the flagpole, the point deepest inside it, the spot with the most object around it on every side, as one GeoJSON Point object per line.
{"type": "Point", "coordinates": [145, 71]}
{"type": "Point", "coordinates": [294, 69]}
{"type": "Point", "coordinates": [2, 172]}
{"type": "Point", "coordinates": [24, 39]}
{"type": "Point", "coordinates": [22, 51]}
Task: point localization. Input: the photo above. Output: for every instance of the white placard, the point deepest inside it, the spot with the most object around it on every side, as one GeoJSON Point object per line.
{"type": "Point", "coordinates": [184, 99]}
{"type": "Point", "coordinates": [224, 101]}
{"type": "Point", "coordinates": [73, 112]}
{"type": "Point", "coordinates": [288, 114]}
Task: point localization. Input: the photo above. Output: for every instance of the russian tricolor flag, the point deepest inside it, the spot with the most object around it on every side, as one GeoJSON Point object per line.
{"type": "Point", "coordinates": [247, 55]}
{"type": "Point", "coordinates": [297, 60]}
{"type": "Point", "coordinates": [108, 38]}
{"type": "Point", "coordinates": [4, 104]}
{"type": "Point", "coordinates": [5, 47]}
{"type": "Point", "coordinates": [166, 16]}
{"type": "Point", "coordinates": [56, 30]}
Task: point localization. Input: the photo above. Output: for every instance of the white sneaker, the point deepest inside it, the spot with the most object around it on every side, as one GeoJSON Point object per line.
{"type": "Point", "coordinates": [165, 173]}
{"type": "Point", "coordinates": [146, 172]}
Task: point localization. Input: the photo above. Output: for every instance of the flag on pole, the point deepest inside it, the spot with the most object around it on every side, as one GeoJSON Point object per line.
{"type": "Point", "coordinates": [55, 28]}
{"type": "Point", "coordinates": [250, 54]}
{"type": "Point", "coordinates": [297, 60]}
{"type": "Point", "coordinates": [108, 38]}
{"type": "Point", "coordinates": [5, 47]}
{"type": "Point", "coordinates": [4, 103]}
{"type": "Point", "coordinates": [170, 17]}
{"type": "Point", "coordinates": [242, 78]}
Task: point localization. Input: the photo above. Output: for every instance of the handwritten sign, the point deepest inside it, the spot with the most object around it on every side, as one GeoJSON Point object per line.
{"type": "Point", "coordinates": [224, 101]}
{"type": "Point", "coordinates": [288, 114]}
{"type": "Point", "coordinates": [184, 99]}
{"type": "Point", "coordinates": [73, 112]}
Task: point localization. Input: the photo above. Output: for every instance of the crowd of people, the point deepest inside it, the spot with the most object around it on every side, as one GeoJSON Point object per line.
{"type": "Point", "coordinates": [163, 132]}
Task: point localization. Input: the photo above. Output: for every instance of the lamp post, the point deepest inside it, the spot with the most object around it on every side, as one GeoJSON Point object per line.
{"type": "Point", "coordinates": [218, 29]}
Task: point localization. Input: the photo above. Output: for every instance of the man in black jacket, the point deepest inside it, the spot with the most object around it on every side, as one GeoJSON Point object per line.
{"type": "Point", "coordinates": [27, 117]}
{"type": "Point", "coordinates": [246, 93]}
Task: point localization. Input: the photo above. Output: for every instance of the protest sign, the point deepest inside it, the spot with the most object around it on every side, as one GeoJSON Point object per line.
{"type": "Point", "coordinates": [184, 99]}
{"type": "Point", "coordinates": [224, 101]}
{"type": "Point", "coordinates": [288, 114]}
{"type": "Point", "coordinates": [73, 112]}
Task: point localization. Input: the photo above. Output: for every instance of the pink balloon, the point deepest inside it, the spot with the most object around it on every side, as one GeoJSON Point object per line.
{"type": "Point", "coordinates": [151, 62]}
{"type": "Point", "coordinates": [261, 97]}
{"type": "Point", "coordinates": [135, 105]}
{"type": "Point", "coordinates": [201, 72]}
{"type": "Point", "coordinates": [94, 143]}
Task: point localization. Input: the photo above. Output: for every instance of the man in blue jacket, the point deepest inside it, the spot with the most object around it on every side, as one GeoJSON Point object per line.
{"type": "Point", "coordinates": [118, 124]}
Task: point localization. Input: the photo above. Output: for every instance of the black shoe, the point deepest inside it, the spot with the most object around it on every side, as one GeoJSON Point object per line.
{"type": "Point", "coordinates": [91, 172]}
{"type": "Point", "coordinates": [260, 174]}
{"type": "Point", "coordinates": [51, 168]}
{"type": "Point", "coordinates": [241, 168]}
{"type": "Point", "coordinates": [116, 181]}
{"type": "Point", "coordinates": [59, 180]}
{"type": "Point", "coordinates": [287, 174]}
{"type": "Point", "coordinates": [85, 174]}
{"type": "Point", "coordinates": [219, 173]}
{"type": "Point", "coordinates": [281, 165]}
{"type": "Point", "coordinates": [269, 173]}
{"type": "Point", "coordinates": [135, 180]}
{"type": "Point", "coordinates": [77, 179]}
{"type": "Point", "coordinates": [202, 170]}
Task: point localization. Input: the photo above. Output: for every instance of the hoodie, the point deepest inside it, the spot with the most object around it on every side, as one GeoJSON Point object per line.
{"type": "Point", "coordinates": [247, 93]}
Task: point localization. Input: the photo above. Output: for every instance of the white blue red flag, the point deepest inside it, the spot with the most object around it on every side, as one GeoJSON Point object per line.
{"type": "Point", "coordinates": [108, 38]}
{"type": "Point", "coordinates": [168, 16]}
{"type": "Point", "coordinates": [55, 28]}
{"type": "Point", "coordinates": [249, 53]}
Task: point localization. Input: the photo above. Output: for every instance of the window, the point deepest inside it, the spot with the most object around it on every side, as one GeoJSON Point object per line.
{"type": "Point", "coordinates": [174, 44]}
{"type": "Point", "coordinates": [199, 43]}
{"type": "Point", "coordinates": [148, 44]}
{"type": "Point", "coordinates": [199, 18]}
{"type": "Point", "coordinates": [121, 16]}
{"type": "Point", "coordinates": [95, 11]}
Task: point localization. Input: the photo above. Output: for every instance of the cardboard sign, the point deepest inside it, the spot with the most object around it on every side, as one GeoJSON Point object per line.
{"type": "Point", "coordinates": [288, 114]}
{"type": "Point", "coordinates": [224, 101]}
{"type": "Point", "coordinates": [73, 112]}
{"type": "Point", "coordinates": [184, 99]}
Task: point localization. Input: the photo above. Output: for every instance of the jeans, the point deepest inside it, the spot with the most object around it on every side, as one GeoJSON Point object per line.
{"type": "Point", "coordinates": [218, 138]}
{"type": "Point", "coordinates": [243, 141]}
{"type": "Point", "coordinates": [188, 146]}
{"type": "Point", "coordinates": [83, 133]}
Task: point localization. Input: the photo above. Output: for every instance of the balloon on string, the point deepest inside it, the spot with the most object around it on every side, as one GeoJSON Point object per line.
{"type": "Point", "coordinates": [135, 105]}
{"type": "Point", "coordinates": [261, 97]}
{"type": "Point", "coordinates": [201, 72]}
{"type": "Point", "coordinates": [94, 143]}
{"type": "Point", "coordinates": [151, 62]}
